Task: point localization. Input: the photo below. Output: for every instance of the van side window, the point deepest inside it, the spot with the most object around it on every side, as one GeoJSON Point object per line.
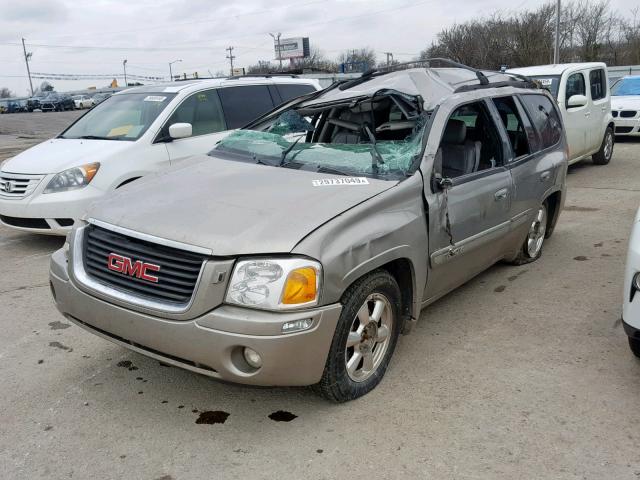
{"type": "Point", "coordinates": [575, 86]}
{"type": "Point", "coordinates": [244, 104]}
{"type": "Point", "coordinates": [202, 110]}
{"type": "Point", "coordinates": [513, 124]}
{"type": "Point", "coordinates": [598, 84]}
{"type": "Point", "coordinates": [545, 118]}
{"type": "Point", "coordinates": [287, 92]}
{"type": "Point", "coordinates": [470, 142]}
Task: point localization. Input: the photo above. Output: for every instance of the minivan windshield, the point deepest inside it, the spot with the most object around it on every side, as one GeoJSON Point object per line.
{"type": "Point", "coordinates": [121, 117]}
{"type": "Point", "coordinates": [626, 86]}
{"type": "Point", "coordinates": [380, 136]}
{"type": "Point", "coordinates": [548, 82]}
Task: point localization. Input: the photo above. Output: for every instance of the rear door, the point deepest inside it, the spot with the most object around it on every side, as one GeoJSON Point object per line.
{"type": "Point", "coordinates": [244, 104]}
{"type": "Point", "coordinates": [204, 112]}
{"type": "Point", "coordinates": [288, 91]}
{"type": "Point", "coordinates": [600, 107]}
{"type": "Point", "coordinates": [577, 119]}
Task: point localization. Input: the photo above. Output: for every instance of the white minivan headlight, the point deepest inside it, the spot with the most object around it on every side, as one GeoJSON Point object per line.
{"type": "Point", "coordinates": [275, 283]}
{"type": "Point", "coordinates": [73, 178]}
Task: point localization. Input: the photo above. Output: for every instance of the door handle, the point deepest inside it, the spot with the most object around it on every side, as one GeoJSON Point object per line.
{"type": "Point", "coordinates": [501, 194]}
{"type": "Point", "coordinates": [545, 176]}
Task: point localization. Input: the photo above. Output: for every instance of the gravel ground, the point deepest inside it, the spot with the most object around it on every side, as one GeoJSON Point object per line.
{"type": "Point", "coordinates": [524, 372]}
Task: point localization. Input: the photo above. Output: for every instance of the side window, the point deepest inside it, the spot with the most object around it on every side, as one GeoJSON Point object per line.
{"type": "Point", "coordinates": [512, 122]}
{"type": "Point", "coordinates": [202, 110]}
{"type": "Point", "coordinates": [575, 86]}
{"type": "Point", "coordinates": [545, 118]}
{"type": "Point", "coordinates": [287, 91]}
{"type": "Point", "coordinates": [470, 142]}
{"type": "Point", "coordinates": [243, 104]}
{"type": "Point", "coordinates": [598, 84]}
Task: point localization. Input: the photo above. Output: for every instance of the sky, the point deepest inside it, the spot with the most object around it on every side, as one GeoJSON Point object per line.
{"type": "Point", "coordinates": [94, 38]}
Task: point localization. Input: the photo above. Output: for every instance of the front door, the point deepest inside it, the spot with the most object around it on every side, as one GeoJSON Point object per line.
{"type": "Point", "coordinates": [577, 119]}
{"type": "Point", "coordinates": [469, 216]}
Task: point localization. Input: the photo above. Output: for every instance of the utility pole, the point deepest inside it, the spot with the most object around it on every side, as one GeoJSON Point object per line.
{"type": "Point", "coordinates": [276, 40]}
{"type": "Point", "coordinates": [389, 58]}
{"type": "Point", "coordinates": [170, 72]}
{"type": "Point", "coordinates": [556, 50]}
{"type": "Point", "coordinates": [124, 66]}
{"type": "Point", "coordinates": [231, 56]}
{"type": "Point", "coordinates": [27, 56]}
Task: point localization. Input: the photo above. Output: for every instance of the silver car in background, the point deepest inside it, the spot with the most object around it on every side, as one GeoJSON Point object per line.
{"type": "Point", "coordinates": [299, 249]}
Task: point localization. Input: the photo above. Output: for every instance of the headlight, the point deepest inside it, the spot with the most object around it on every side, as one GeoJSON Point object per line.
{"type": "Point", "coordinates": [72, 179]}
{"type": "Point", "coordinates": [275, 284]}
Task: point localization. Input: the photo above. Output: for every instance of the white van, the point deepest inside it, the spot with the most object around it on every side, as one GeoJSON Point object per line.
{"type": "Point", "coordinates": [131, 134]}
{"type": "Point", "coordinates": [582, 92]}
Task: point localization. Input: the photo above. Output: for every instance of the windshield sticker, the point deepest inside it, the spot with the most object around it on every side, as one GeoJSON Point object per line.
{"type": "Point", "coordinates": [325, 182]}
{"type": "Point", "coordinates": [546, 82]}
{"type": "Point", "coordinates": [154, 98]}
{"type": "Point", "coordinates": [120, 131]}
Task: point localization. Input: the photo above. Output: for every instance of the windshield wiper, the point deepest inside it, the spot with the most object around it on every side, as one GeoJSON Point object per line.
{"type": "Point", "coordinates": [287, 150]}
{"type": "Point", "coordinates": [376, 157]}
{"type": "Point", "coordinates": [96, 137]}
{"type": "Point", "coordinates": [331, 170]}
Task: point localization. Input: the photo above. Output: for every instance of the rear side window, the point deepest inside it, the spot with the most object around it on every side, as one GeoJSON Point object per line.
{"type": "Point", "coordinates": [575, 86]}
{"type": "Point", "coordinates": [202, 110]}
{"type": "Point", "coordinates": [598, 84]}
{"type": "Point", "coordinates": [244, 104]}
{"type": "Point", "coordinates": [287, 92]}
{"type": "Point", "coordinates": [513, 124]}
{"type": "Point", "coordinates": [545, 118]}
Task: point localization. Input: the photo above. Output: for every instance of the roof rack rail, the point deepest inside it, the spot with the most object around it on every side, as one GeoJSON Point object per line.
{"type": "Point", "coordinates": [262, 75]}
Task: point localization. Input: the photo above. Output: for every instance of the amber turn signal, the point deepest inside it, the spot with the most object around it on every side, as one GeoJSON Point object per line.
{"type": "Point", "coordinates": [301, 286]}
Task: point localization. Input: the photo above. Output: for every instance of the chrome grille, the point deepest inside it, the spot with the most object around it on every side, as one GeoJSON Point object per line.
{"type": "Point", "coordinates": [177, 274]}
{"type": "Point", "coordinates": [15, 185]}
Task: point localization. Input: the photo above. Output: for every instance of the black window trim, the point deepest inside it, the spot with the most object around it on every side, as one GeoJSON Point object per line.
{"type": "Point", "coordinates": [535, 129]}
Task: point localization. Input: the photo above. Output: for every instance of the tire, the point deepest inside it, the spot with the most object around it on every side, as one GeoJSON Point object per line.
{"type": "Point", "coordinates": [603, 156]}
{"type": "Point", "coordinates": [634, 345]}
{"type": "Point", "coordinates": [531, 249]}
{"type": "Point", "coordinates": [379, 292]}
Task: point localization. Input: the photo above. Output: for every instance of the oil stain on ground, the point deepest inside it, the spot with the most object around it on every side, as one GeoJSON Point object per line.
{"type": "Point", "coordinates": [60, 346]}
{"type": "Point", "coordinates": [580, 258]}
{"type": "Point", "coordinates": [282, 416]}
{"type": "Point", "coordinates": [127, 364]}
{"type": "Point", "coordinates": [500, 288]}
{"type": "Point", "coordinates": [58, 325]}
{"type": "Point", "coordinates": [576, 208]}
{"type": "Point", "coordinates": [212, 417]}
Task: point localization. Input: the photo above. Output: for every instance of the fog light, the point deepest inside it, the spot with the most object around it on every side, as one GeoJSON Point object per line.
{"type": "Point", "coordinates": [297, 325]}
{"type": "Point", "coordinates": [252, 357]}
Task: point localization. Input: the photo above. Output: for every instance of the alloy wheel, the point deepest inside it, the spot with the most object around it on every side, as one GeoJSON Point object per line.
{"type": "Point", "coordinates": [537, 231]}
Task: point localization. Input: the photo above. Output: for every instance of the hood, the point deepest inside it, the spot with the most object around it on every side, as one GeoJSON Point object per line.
{"type": "Point", "coordinates": [232, 207]}
{"type": "Point", "coordinates": [625, 102]}
{"type": "Point", "coordinates": [58, 154]}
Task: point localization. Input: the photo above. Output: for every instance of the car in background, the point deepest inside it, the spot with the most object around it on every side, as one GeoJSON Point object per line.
{"type": "Point", "coordinates": [582, 93]}
{"type": "Point", "coordinates": [57, 102]}
{"type": "Point", "coordinates": [131, 134]}
{"type": "Point", "coordinates": [302, 245]}
{"type": "Point", "coordinates": [625, 105]}
{"type": "Point", "coordinates": [100, 97]}
{"type": "Point", "coordinates": [34, 102]}
{"type": "Point", "coordinates": [631, 290]}
{"type": "Point", "coordinates": [83, 101]}
{"type": "Point", "coordinates": [13, 105]}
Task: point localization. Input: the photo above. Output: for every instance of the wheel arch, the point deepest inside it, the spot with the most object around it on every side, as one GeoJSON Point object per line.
{"type": "Point", "coordinates": [554, 201]}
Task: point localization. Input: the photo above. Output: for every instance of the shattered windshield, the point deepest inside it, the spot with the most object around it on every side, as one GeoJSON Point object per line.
{"type": "Point", "coordinates": [379, 137]}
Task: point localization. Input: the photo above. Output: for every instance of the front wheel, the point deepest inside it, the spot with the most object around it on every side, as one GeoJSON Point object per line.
{"type": "Point", "coordinates": [603, 156]}
{"type": "Point", "coordinates": [634, 345]}
{"type": "Point", "coordinates": [531, 249]}
{"type": "Point", "coordinates": [364, 340]}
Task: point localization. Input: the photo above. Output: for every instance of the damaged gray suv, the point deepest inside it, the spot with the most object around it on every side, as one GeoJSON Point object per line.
{"type": "Point", "coordinates": [298, 250]}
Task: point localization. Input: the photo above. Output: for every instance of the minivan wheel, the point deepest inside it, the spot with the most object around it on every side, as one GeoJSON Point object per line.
{"type": "Point", "coordinates": [532, 247]}
{"type": "Point", "coordinates": [634, 345]}
{"type": "Point", "coordinates": [364, 340]}
{"type": "Point", "coordinates": [603, 156]}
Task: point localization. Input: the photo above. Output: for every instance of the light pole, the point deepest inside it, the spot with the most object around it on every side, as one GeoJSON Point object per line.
{"type": "Point", "coordinates": [276, 39]}
{"type": "Point", "coordinates": [124, 66]}
{"type": "Point", "coordinates": [170, 72]}
{"type": "Point", "coordinates": [556, 49]}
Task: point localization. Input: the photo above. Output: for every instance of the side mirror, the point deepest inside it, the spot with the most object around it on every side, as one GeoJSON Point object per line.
{"type": "Point", "coordinates": [180, 130]}
{"type": "Point", "coordinates": [577, 101]}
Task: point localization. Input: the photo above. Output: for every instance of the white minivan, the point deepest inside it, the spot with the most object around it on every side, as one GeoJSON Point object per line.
{"type": "Point", "coordinates": [582, 93]}
{"type": "Point", "coordinates": [133, 133]}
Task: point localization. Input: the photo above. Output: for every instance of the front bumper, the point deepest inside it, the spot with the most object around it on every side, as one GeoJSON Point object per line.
{"type": "Point", "coordinates": [627, 126]}
{"type": "Point", "coordinates": [48, 208]}
{"type": "Point", "coordinates": [210, 344]}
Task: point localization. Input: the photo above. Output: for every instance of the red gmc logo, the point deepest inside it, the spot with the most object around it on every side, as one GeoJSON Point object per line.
{"type": "Point", "coordinates": [138, 269]}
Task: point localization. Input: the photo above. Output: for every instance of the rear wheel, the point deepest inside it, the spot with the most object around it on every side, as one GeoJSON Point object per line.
{"type": "Point", "coordinates": [634, 345]}
{"type": "Point", "coordinates": [603, 156]}
{"type": "Point", "coordinates": [364, 340]}
{"type": "Point", "coordinates": [532, 246]}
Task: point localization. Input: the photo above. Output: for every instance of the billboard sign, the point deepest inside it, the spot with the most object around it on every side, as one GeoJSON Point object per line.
{"type": "Point", "coordinates": [293, 48]}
